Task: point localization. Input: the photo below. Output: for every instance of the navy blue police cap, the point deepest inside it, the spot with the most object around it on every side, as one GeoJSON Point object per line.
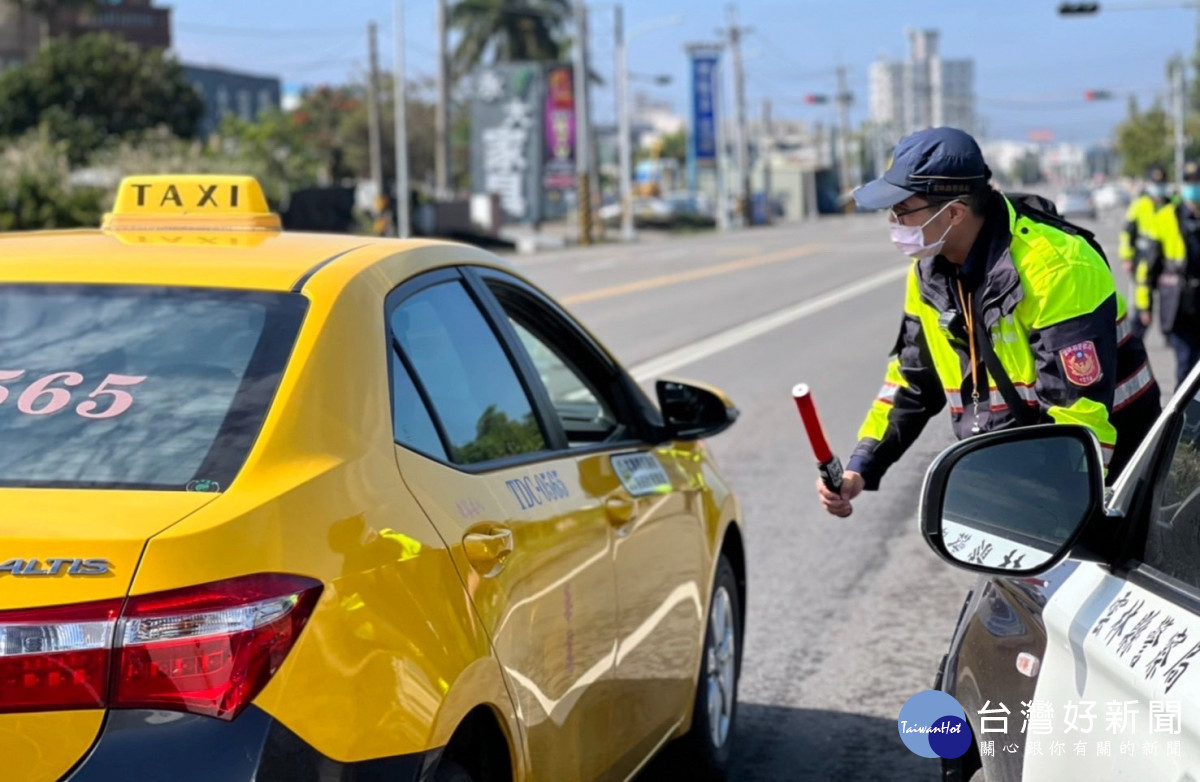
{"type": "Point", "coordinates": [937, 162]}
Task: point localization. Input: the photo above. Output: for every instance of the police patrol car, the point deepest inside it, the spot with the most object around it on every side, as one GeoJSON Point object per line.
{"type": "Point", "coordinates": [1075, 655]}
{"type": "Point", "coordinates": [281, 507]}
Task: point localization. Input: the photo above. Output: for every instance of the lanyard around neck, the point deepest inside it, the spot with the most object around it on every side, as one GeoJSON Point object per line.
{"type": "Point", "coordinates": [969, 316]}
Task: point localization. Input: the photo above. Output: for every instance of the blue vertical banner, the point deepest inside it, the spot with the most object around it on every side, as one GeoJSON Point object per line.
{"type": "Point", "coordinates": [704, 105]}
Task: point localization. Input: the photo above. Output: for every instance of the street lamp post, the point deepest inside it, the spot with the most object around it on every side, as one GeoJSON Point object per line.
{"type": "Point", "coordinates": [624, 131]}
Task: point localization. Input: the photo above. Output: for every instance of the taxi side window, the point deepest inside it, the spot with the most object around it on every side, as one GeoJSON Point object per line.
{"type": "Point", "coordinates": [411, 421]}
{"type": "Point", "coordinates": [580, 384]}
{"type": "Point", "coordinates": [585, 417]}
{"type": "Point", "coordinates": [474, 390]}
{"type": "Point", "coordinates": [1173, 538]}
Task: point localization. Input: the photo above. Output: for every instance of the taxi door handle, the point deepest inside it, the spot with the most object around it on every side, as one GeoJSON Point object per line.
{"type": "Point", "coordinates": [486, 549]}
{"type": "Point", "coordinates": [620, 510]}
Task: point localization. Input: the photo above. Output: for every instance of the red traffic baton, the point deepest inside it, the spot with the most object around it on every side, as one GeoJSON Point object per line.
{"type": "Point", "coordinates": [828, 465]}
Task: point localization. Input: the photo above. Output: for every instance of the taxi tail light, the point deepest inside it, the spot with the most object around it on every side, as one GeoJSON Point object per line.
{"type": "Point", "coordinates": [208, 649]}
{"type": "Point", "coordinates": [56, 658]}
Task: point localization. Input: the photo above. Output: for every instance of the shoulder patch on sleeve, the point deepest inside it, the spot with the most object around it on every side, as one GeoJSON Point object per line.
{"type": "Point", "coordinates": [1080, 363]}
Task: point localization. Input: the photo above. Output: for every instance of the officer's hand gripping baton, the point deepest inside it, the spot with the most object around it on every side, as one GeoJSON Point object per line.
{"type": "Point", "coordinates": [828, 465]}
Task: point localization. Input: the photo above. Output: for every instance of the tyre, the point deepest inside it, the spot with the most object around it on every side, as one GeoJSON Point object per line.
{"type": "Point", "coordinates": [449, 771]}
{"type": "Point", "coordinates": [704, 753]}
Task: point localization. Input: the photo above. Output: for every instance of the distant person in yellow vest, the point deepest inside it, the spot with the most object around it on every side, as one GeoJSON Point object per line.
{"type": "Point", "coordinates": [1136, 234]}
{"type": "Point", "coordinates": [1172, 268]}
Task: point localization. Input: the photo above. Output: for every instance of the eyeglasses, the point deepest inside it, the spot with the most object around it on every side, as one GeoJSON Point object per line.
{"type": "Point", "coordinates": [895, 216]}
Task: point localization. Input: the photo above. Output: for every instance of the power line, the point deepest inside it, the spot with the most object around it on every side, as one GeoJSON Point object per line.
{"type": "Point", "coordinates": [314, 65]}
{"type": "Point", "coordinates": [801, 73]}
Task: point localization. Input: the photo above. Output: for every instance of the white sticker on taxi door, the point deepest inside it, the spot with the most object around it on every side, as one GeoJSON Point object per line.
{"type": "Point", "coordinates": [641, 473]}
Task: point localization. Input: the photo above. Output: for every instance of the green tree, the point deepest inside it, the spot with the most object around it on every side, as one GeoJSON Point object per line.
{"type": "Point", "coordinates": [419, 113]}
{"type": "Point", "coordinates": [671, 145]}
{"type": "Point", "coordinates": [674, 145]}
{"type": "Point", "coordinates": [96, 89]}
{"type": "Point", "coordinates": [320, 117]}
{"type": "Point", "coordinates": [1144, 139]}
{"type": "Point", "coordinates": [503, 30]}
{"type": "Point", "coordinates": [498, 436]}
{"type": "Point", "coordinates": [34, 187]}
{"type": "Point", "coordinates": [274, 149]}
{"type": "Point", "coordinates": [271, 150]}
{"type": "Point", "coordinates": [1194, 86]}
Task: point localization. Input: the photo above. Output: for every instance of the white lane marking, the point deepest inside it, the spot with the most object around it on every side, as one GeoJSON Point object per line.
{"type": "Point", "coordinates": [595, 266]}
{"type": "Point", "coordinates": [672, 360]}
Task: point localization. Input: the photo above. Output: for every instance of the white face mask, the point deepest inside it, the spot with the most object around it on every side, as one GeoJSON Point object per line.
{"type": "Point", "coordinates": [910, 239]}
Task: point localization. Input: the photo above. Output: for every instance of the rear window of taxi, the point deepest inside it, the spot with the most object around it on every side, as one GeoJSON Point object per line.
{"type": "Point", "coordinates": [130, 387]}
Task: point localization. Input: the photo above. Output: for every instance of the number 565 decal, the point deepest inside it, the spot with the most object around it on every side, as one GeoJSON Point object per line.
{"type": "Point", "coordinates": [44, 397]}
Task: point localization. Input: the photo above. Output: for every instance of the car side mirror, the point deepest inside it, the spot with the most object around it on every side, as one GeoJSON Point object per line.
{"type": "Point", "coordinates": [691, 411]}
{"type": "Point", "coordinates": [1013, 502]}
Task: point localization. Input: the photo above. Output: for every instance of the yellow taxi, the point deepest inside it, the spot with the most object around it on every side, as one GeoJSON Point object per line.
{"type": "Point", "coordinates": [282, 506]}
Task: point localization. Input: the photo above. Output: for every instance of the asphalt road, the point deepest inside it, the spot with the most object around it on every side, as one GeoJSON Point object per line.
{"type": "Point", "coordinates": [847, 618]}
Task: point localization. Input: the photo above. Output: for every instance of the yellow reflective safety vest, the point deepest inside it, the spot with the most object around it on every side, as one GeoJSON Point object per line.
{"type": "Point", "coordinates": [1138, 228]}
{"type": "Point", "coordinates": [1057, 325]}
{"type": "Point", "coordinates": [1165, 269]}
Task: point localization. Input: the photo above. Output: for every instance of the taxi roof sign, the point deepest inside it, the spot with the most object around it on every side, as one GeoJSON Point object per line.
{"type": "Point", "coordinates": [190, 202]}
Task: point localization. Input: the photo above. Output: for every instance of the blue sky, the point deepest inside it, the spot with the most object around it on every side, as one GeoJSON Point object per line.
{"type": "Point", "coordinates": [1032, 66]}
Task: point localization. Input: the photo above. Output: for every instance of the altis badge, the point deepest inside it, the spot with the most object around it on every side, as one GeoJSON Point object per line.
{"type": "Point", "coordinates": [55, 567]}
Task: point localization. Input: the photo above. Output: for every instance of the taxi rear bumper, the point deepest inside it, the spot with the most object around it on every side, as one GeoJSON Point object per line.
{"type": "Point", "coordinates": [170, 746]}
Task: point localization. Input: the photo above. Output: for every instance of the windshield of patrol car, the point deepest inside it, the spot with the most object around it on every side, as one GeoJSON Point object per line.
{"type": "Point", "coordinates": [133, 387]}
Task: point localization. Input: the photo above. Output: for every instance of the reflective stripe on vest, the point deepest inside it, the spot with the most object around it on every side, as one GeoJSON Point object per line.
{"type": "Point", "coordinates": [1132, 387]}
{"type": "Point", "coordinates": [996, 402]}
{"type": "Point", "coordinates": [1124, 330]}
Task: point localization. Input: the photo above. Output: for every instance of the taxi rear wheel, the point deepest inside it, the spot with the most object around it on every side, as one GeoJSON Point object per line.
{"type": "Point", "coordinates": [704, 753]}
{"type": "Point", "coordinates": [450, 771]}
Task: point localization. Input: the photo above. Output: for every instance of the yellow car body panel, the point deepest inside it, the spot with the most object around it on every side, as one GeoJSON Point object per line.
{"type": "Point", "coordinates": [45, 746]}
{"type": "Point", "coordinates": [411, 632]}
{"type": "Point", "coordinates": [106, 524]}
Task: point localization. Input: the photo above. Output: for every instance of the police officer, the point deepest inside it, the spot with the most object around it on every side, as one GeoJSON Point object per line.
{"type": "Point", "coordinates": [1172, 267]}
{"type": "Point", "coordinates": [1136, 233]}
{"type": "Point", "coordinates": [986, 267]}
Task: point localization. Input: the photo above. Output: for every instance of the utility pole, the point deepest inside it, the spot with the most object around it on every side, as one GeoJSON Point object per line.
{"type": "Point", "coordinates": [722, 167]}
{"type": "Point", "coordinates": [623, 130]}
{"type": "Point", "coordinates": [441, 145]}
{"type": "Point", "coordinates": [374, 131]}
{"type": "Point", "coordinates": [843, 101]}
{"type": "Point", "coordinates": [583, 147]}
{"type": "Point", "coordinates": [766, 148]}
{"type": "Point", "coordinates": [401, 95]}
{"type": "Point", "coordinates": [739, 95]}
{"type": "Point", "coordinates": [1179, 100]}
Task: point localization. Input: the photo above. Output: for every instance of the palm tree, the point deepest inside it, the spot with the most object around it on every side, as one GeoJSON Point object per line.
{"type": "Point", "coordinates": [504, 30]}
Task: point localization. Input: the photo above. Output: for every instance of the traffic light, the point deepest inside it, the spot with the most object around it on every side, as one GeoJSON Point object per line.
{"type": "Point", "coordinates": [1097, 95]}
{"type": "Point", "coordinates": [814, 99]}
{"type": "Point", "coordinates": [1074, 9]}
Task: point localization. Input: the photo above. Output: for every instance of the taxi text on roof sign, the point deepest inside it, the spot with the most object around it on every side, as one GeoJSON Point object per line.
{"type": "Point", "coordinates": [191, 201]}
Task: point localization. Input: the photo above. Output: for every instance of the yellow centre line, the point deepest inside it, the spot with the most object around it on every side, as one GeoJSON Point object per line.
{"type": "Point", "coordinates": [695, 274]}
